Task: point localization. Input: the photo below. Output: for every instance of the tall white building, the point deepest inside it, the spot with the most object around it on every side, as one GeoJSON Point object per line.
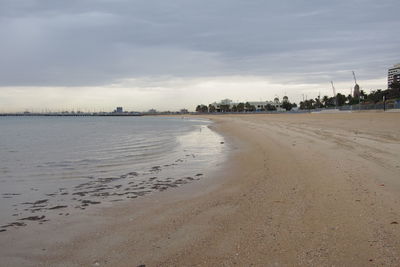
{"type": "Point", "coordinates": [395, 70]}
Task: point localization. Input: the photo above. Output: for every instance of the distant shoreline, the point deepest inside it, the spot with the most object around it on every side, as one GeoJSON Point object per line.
{"type": "Point", "coordinates": [69, 115]}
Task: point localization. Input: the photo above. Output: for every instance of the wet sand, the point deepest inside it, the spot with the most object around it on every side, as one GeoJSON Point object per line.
{"type": "Point", "coordinates": [96, 191]}
{"type": "Point", "coordinates": [298, 189]}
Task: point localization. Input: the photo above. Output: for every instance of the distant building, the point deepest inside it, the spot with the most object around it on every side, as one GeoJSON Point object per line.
{"type": "Point", "coordinates": [119, 110]}
{"type": "Point", "coordinates": [260, 105]}
{"type": "Point", "coordinates": [227, 102]}
{"type": "Point", "coordinates": [356, 91]}
{"type": "Point", "coordinates": [184, 111]}
{"type": "Point", "coordinates": [393, 74]}
{"type": "Point", "coordinates": [223, 102]}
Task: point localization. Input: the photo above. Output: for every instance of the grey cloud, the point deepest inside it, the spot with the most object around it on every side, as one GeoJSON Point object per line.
{"type": "Point", "coordinates": [87, 42]}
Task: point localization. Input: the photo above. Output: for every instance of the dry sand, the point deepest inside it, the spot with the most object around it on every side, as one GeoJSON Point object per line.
{"type": "Point", "coordinates": [298, 190]}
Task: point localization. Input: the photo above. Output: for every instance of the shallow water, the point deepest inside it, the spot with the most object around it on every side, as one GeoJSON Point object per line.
{"type": "Point", "coordinates": [64, 164]}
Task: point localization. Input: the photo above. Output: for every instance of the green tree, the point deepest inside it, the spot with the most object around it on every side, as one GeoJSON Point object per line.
{"type": "Point", "coordinates": [318, 103]}
{"type": "Point", "coordinates": [311, 104]}
{"type": "Point", "coordinates": [352, 100]}
{"type": "Point", "coordinates": [250, 107]}
{"type": "Point", "coordinates": [202, 109]}
{"type": "Point", "coordinates": [287, 105]}
{"type": "Point", "coordinates": [307, 104]}
{"type": "Point", "coordinates": [325, 100]}
{"type": "Point", "coordinates": [240, 107]}
{"type": "Point", "coordinates": [365, 95]}
{"type": "Point", "coordinates": [211, 108]}
{"type": "Point", "coordinates": [341, 99]}
{"type": "Point", "coordinates": [270, 107]}
{"type": "Point", "coordinates": [247, 106]}
{"type": "Point", "coordinates": [224, 108]}
{"type": "Point", "coordinates": [253, 108]}
{"type": "Point", "coordinates": [328, 101]}
{"type": "Point", "coordinates": [375, 96]}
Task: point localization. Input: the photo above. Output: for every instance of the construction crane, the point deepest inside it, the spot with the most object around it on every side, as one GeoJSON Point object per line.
{"type": "Point", "coordinates": [333, 88]}
{"type": "Point", "coordinates": [334, 94]}
{"type": "Point", "coordinates": [354, 76]}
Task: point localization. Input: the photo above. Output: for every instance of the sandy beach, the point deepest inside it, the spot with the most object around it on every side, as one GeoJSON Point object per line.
{"type": "Point", "coordinates": [296, 190]}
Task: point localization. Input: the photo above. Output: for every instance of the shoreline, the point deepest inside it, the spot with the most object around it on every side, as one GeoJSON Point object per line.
{"type": "Point", "coordinates": [32, 243]}
{"type": "Point", "coordinates": [297, 190]}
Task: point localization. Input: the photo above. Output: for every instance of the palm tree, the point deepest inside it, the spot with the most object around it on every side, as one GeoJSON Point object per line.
{"type": "Point", "coordinates": [325, 100]}
{"type": "Point", "coordinates": [240, 107]}
{"type": "Point", "coordinates": [211, 108]}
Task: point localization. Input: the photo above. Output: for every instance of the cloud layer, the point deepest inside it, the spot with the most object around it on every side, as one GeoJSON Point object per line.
{"type": "Point", "coordinates": [98, 44]}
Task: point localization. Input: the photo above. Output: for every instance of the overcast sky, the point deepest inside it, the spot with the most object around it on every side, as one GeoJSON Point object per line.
{"type": "Point", "coordinates": [98, 54]}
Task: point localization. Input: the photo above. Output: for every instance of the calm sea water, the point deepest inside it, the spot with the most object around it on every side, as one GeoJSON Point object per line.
{"type": "Point", "coordinates": [63, 164]}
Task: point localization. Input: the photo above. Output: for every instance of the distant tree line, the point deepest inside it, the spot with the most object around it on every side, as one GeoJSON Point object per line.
{"type": "Point", "coordinates": [242, 107]}
{"type": "Point", "coordinates": [288, 106]}
{"type": "Point", "coordinates": [202, 109]}
{"type": "Point", "coordinates": [372, 98]}
{"type": "Point", "coordinates": [325, 102]}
